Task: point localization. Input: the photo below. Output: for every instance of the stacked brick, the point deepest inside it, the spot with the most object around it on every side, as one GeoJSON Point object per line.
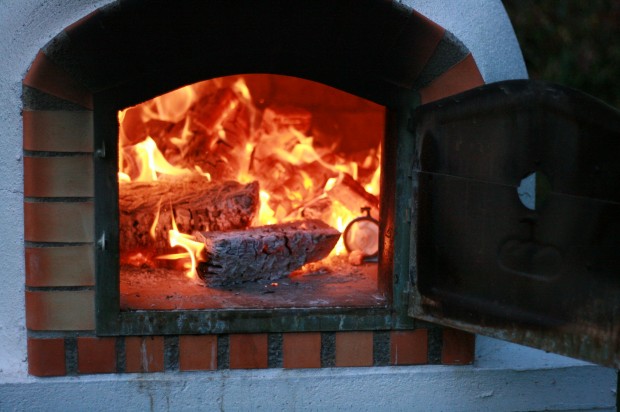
{"type": "Point", "coordinates": [76, 354]}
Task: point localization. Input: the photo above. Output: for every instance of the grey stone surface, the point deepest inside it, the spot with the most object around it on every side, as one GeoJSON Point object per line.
{"type": "Point", "coordinates": [223, 357]}
{"type": "Point", "coordinates": [171, 353]}
{"type": "Point", "coordinates": [274, 355]}
{"type": "Point", "coordinates": [328, 349]}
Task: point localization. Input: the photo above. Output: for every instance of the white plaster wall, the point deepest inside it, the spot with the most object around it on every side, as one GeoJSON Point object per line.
{"type": "Point", "coordinates": [505, 377]}
{"type": "Point", "coordinates": [483, 26]}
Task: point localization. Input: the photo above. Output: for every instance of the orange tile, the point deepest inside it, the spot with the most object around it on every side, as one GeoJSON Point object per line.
{"type": "Point", "coordinates": [46, 357]}
{"type": "Point", "coordinates": [144, 354]}
{"type": "Point", "coordinates": [301, 350]}
{"type": "Point", "coordinates": [58, 176]}
{"type": "Point", "coordinates": [96, 355]}
{"type": "Point", "coordinates": [459, 78]}
{"type": "Point", "coordinates": [197, 352]}
{"type": "Point", "coordinates": [60, 310]}
{"type": "Point", "coordinates": [429, 34]}
{"type": "Point", "coordinates": [48, 77]}
{"type": "Point", "coordinates": [58, 131]}
{"type": "Point", "coordinates": [409, 347]}
{"type": "Point", "coordinates": [248, 351]}
{"type": "Point", "coordinates": [354, 349]}
{"type": "Point", "coordinates": [405, 59]}
{"type": "Point", "coordinates": [47, 266]}
{"type": "Point", "coordinates": [59, 221]}
{"type": "Point", "coordinates": [458, 347]}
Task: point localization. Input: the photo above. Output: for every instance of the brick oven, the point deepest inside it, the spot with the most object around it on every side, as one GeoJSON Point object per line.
{"type": "Point", "coordinates": [71, 137]}
{"type": "Point", "coordinates": [353, 76]}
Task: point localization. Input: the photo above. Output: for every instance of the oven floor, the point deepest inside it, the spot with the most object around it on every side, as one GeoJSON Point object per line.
{"type": "Point", "coordinates": [317, 286]}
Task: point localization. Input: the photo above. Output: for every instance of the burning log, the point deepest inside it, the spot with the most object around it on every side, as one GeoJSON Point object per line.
{"type": "Point", "coordinates": [318, 208]}
{"type": "Point", "coordinates": [279, 118]}
{"type": "Point", "coordinates": [147, 208]}
{"type": "Point", "coordinates": [211, 112]}
{"type": "Point", "coordinates": [263, 253]}
{"type": "Point", "coordinates": [352, 195]}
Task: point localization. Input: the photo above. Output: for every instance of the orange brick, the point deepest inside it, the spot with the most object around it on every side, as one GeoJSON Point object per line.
{"type": "Point", "coordinates": [144, 354]}
{"type": "Point", "coordinates": [197, 352]}
{"type": "Point", "coordinates": [47, 266]}
{"type": "Point", "coordinates": [60, 310]}
{"type": "Point", "coordinates": [354, 349]}
{"type": "Point", "coordinates": [406, 57]}
{"type": "Point", "coordinates": [409, 347]}
{"type": "Point", "coordinates": [58, 131]}
{"type": "Point", "coordinates": [96, 355]}
{"type": "Point", "coordinates": [59, 221]}
{"type": "Point", "coordinates": [248, 351]}
{"type": "Point", "coordinates": [46, 357]}
{"type": "Point", "coordinates": [458, 347]}
{"type": "Point", "coordinates": [58, 176]}
{"type": "Point", "coordinates": [301, 350]}
{"type": "Point", "coordinates": [459, 78]}
{"type": "Point", "coordinates": [48, 77]}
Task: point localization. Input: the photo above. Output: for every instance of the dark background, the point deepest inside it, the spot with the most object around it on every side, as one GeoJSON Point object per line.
{"type": "Point", "coordinates": [575, 43]}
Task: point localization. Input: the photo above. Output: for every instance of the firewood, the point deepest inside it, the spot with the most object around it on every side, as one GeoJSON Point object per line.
{"type": "Point", "coordinates": [280, 118]}
{"type": "Point", "coordinates": [263, 253]}
{"type": "Point", "coordinates": [352, 195]}
{"type": "Point", "coordinates": [196, 204]}
{"type": "Point", "coordinates": [318, 208]}
{"type": "Point", "coordinates": [207, 118]}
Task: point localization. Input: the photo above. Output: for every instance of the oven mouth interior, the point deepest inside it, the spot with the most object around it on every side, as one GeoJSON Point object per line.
{"type": "Point", "coordinates": [231, 157]}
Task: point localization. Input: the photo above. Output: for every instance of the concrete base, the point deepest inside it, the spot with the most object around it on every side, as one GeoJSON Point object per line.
{"type": "Point", "coordinates": [505, 377]}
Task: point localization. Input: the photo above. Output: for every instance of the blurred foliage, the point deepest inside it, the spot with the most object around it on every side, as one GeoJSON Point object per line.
{"type": "Point", "coordinates": [571, 42]}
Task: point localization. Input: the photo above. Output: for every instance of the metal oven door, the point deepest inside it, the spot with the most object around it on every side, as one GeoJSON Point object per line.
{"type": "Point", "coordinates": [516, 223]}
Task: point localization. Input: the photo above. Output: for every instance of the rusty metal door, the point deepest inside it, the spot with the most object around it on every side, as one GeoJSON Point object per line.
{"type": "Point", "coordinates": [516, 228]}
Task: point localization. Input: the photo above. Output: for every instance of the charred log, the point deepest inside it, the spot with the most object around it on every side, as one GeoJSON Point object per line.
{"type": "Point", "coordinates": [263, 253]}
{"type": "Point", "coordinates": [147, 209]}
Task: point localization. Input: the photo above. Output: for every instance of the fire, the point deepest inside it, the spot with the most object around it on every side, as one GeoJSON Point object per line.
{"type": "Point", "coordinates": [171, 107]}
{"type": "Point", "coordinates": [213, 130]}
{"type": "Point", "coordinates": [187, 242]}
{"type": "Point", "coordinates": [374, 186]}
{"type": "Point", "coordinates": [266, 215]}
{"type": "Point", "coordinates": [150, 163]}
{"type": "Point", "coordinates": [341, 218]}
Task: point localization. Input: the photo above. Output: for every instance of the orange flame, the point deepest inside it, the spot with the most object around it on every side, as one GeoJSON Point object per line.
{"type": "Point", "coordinates": [150, 162]}
{"type": "Point", "coordinates": [266, 215]}
{"type": "Point", "coordinates": [170, 107]}
{"type": "Point", "coordinates": [187, 242]}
